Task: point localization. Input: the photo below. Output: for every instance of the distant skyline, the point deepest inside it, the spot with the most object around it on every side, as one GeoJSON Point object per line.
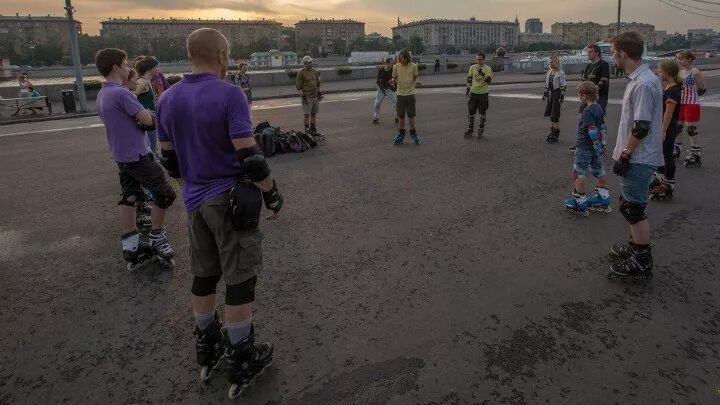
{"type": "Point", "coordinates": [379, 15]}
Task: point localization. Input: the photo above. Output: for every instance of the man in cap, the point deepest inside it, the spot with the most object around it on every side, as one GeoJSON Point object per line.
{"type": "Point", "coordinates": [308, 86]}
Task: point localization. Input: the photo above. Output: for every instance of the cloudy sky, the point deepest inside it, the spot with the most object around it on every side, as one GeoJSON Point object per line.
{"type": "Point", "coordinates": [380, 15]}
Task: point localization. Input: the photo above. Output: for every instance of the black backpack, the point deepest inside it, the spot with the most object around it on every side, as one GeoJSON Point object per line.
{"type": "Point", "coordinates": [266, 140]}
{"type": "Point", "coordinates": [260, 127]}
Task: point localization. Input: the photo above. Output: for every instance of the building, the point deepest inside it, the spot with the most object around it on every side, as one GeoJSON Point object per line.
{"type": "Point", "coordinates": [329, 31]}
{"type": "Point", "coordinates": [579, 34]}
{"type": "Point", "coordinates": [242, 32]}
{"type": "Point", "coordinates": [647, 31]}
{"type": "Point", "coordinates": [700, 31]}
{"type": "Point", "coordinates": [273, 58]}
{"type": "Point", "coordinates": [660, 37]}
{"type": "Point", "coordinates": [25, 31]}
{"type": "Point", "coordinates": [583, 33]}
{"type": "Point", "coordinates": [527, 39]}
{"type": "Point", "coordinates": [533, 26]}
{"type": "Point", "coordinates": [440, 35]}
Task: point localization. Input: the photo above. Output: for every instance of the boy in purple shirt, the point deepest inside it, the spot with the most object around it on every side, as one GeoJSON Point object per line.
{"type": "Point", "coordinates": [206, 138]}
{"type": "Point", "coordinates": [123, 117]}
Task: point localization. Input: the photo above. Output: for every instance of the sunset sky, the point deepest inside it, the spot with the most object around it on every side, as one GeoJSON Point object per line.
{"type": "Point", "coordinates": [380, 15]}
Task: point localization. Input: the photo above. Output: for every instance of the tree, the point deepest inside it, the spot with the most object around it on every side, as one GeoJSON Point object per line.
{"type": "Point", "coordinates": [48, 53]}
{"type": "Point", "coordinates": [399, 43]}
{"type": "Point", "coordinates": [338, 46]}
{"type": "Point", "coordinates": [289, 43]}
{"type": "Point", "coordinates": [7, 50]}
{"type": "Point", "coordinates": [309, 45]}
{"type": "Point", "coordinates": [416, 45]}
{"type": "Point", "coordinates": [358, 44]}
{"type": "Point", "coordinates": [169, 48]}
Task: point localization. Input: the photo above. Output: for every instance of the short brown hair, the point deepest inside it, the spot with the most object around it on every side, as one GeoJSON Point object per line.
{"type": "Point", "coordinates": [631, 43]}
{"type": "Point", "coordinates": [686, 55]}
{"type": "Point", "coordinates": [144, 64]}
{"type": "Point", "coordinates": [132, 73]}
{"type": "Point", "coordinates": [672, 69]}
{"type": "Point", "coordinates": [596, 48]}
{"type": "Point", "coordinates": [106, 58]}
{"type": "Point", "coordinates": [588, 89]}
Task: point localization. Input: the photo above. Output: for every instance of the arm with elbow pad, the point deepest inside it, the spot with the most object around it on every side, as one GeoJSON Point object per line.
{"type": "Point", "coordinates": [640, 129]}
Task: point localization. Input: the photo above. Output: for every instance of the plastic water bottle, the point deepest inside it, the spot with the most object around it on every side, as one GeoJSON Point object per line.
{"type": "Point", "coordinates": [594, 134]}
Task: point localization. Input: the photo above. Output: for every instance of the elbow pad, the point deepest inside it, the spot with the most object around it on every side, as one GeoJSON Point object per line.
{"type": "Point", "coordinates": [640, 129]}
{"type": "Point", "coordinates": [469, 80]}
{"type": "Point", "coordinates": [170, 163]}
{"type": "Point", "coordinates": [701, 92]}
{"type": "Point", "coordinates": [488, 79]}
{"type": "Point", "coordinates": [254, 164]}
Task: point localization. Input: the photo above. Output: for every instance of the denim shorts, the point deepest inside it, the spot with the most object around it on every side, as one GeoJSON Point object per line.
{"type": "Point", "coordinates": [635, 183]}
{"type": "Point", "coordinates": [587, 159]}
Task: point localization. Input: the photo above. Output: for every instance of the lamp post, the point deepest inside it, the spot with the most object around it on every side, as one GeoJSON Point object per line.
{"type": "Point", "coordinates": [76, 56]}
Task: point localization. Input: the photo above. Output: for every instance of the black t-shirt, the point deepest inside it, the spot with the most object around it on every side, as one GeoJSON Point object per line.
{"type": "Point", "coordinates": [595, 72]}
{"type": "Point", "coordinates": [383, 78]}
{"type": "Point", "coordinates": [672, 95]}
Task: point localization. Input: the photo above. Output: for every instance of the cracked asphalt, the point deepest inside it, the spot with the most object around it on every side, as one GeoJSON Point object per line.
{"type": "Point", "coordinates": [445, 273]}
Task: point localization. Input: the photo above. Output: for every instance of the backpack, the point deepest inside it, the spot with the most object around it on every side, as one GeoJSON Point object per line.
{"type": "Point", "coordinates": [266, 140]}
{"type": "Point", "coordinates": [260, 127]}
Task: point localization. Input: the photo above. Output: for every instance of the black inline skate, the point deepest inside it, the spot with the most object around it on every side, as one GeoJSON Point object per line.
{"type": "Point", "coordinates": [246, 361]}
{"type": "Point", "coordinates": [161, 248]}
{"type": "Point", "coordinates": [136, 250]}
{"type": "Point", "coordinates": [553, 136]}
{"type": "Point", "coordinates": [663, 190]}
{"type": "Point", "coordinates": [630, 262]}
{"type": "Point", "coordinates": [693, 159]}
{"type": "Point", "coordinates": [210, 346]}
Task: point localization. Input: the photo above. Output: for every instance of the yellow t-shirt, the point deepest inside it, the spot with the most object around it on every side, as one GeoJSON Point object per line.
{"type": "Point", "coordinates": [479, 85]}
{"type": "Point", "coordinates": [405, 78]}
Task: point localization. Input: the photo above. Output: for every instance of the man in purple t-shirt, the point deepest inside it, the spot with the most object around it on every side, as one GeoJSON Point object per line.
{"type": "Point", "coordinates": [125, 119]}
{"type": "Point", "coordinates": [206, 138]}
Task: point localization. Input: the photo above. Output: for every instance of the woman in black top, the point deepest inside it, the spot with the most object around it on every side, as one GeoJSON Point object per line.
{"type": "Point", "coordinates": [662, 186]}
{"type": "Point", "coordinates": [554, 95]}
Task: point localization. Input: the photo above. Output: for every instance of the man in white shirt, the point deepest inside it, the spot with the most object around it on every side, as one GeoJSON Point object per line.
{"type": "Point", "coordinates": [638, 152]}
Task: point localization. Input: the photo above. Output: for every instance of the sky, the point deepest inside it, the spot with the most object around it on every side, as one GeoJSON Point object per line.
{"type": "Point", "coordinates": [381, 15]}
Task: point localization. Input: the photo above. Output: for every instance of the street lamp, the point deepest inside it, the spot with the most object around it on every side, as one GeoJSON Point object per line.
{"type": "Point", "coordinates": [32, 53]}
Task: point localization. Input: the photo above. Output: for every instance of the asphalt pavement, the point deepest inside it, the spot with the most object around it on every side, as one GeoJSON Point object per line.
{"type": "Point", "coordinates": [445, 273]}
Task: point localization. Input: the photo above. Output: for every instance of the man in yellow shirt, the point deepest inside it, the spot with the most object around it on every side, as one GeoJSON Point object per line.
{"type": "Point", "coordinates": [479, 77]}
{"type": "Point", "coordinates": [405, 76]}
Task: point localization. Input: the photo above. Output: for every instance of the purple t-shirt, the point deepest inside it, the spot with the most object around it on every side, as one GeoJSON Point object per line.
{"type": "Point", "coordinates": [117, 108]}
{"type": "Point", "coordinates": [200, 115]}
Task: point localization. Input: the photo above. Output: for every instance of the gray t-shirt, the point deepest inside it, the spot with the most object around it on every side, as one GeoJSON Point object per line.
{"type": "Point", "coordinates": [643, 101]}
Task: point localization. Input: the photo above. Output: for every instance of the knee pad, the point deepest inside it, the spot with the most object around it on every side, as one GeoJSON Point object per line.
{"type": "Point", "coordinates": [165, 198]}
{"type": "Point", "coordinates": [555, 120]}
{"type": "Point", "coordinates": [632, 212]}
{"type": "Point", "coordinates": [241, 294]}
{"type": "Point", "coordinates": [204, 286]}
{"type": "Point", "coordinates": [131, 200]}
{"type": "Point", "coordinates": [692, 130]}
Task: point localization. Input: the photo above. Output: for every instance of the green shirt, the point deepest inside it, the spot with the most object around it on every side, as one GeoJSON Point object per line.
{"type": "Point", "coordinates": [479, 85]}
{"type": "Point", "coordinates": [405, 76]}
{"type": "Point", "coordinates": [308, 81]}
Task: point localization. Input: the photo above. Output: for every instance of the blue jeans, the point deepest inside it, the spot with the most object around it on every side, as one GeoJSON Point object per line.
{"type": "Point", "coordinates": [586, 160]}
{"type": "Point", "coordinates": [379, 97]}
{"type": "Point", "coordinates": [635, 183]}
{"type": "Point", "coordinates": [152, 141]}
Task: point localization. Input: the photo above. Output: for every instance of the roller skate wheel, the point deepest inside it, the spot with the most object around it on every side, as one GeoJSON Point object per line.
{"type": "Point", "coordinates": [235, 391]}
{"type": "Point", "coordinates": [205, 374]}
{"type": "Point", "coordinates": [131, 266]}
{"type": "Point", "coordinates": [585, 213]}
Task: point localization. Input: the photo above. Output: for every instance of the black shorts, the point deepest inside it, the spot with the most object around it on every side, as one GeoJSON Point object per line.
{"type": "Point", "coordinates": [145, 173]}
{"type": "Point", "coordinates": [479, 103]}
{"type": "Point", "coordinates": [406, 106]}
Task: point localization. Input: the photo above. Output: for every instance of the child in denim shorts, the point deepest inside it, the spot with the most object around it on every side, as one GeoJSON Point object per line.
{"type": "Point", "coordinates": [589, 150]}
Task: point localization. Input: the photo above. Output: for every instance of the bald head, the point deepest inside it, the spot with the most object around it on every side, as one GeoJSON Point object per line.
{"type": "Point", "coordinates": [204, 46]}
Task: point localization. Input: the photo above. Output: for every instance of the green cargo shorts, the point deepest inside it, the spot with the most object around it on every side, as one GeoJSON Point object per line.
{"type": "Point", "coordinates": [217, 248]}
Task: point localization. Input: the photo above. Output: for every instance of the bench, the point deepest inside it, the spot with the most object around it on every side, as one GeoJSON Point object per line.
{"type": "Point", "coordinates": [25, 103]}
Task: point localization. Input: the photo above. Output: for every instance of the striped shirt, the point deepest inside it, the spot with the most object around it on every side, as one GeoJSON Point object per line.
{"type": "Point", "coordinates": [690, 88]}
